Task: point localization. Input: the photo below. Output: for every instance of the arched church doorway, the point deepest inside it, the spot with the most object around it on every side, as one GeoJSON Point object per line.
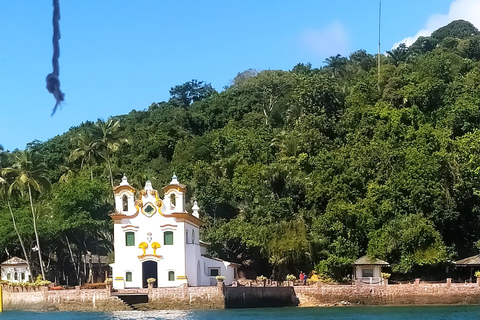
{"type": "Point", "coordinates": [149, 270]}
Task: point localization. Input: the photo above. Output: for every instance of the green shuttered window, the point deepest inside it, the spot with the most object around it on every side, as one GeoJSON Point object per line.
{"type": "Point", "coordinates": [168, 238]}
{"type": "Point", "coordinates": [171, 276]}
{"type": "Point", "coordinates": [129, 239]}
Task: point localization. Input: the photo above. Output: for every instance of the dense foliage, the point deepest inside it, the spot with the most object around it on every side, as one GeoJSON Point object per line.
{"type": "Point", "coordinates": [294, 170]}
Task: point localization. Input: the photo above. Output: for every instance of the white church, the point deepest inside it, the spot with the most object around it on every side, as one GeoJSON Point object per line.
{"type": "Point", "coordinates": [156, 238]}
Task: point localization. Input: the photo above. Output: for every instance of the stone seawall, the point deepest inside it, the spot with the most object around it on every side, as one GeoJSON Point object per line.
{"type": "Point", "coordinates": [102, 300]}
{"type": "Point", "coordinates": [210, 297]}
{"type": "Point", "coordinates": [63, 300]}
{"type": "Point", "coordinates": [256, 297]}
{"type": "Point", "coordinates": [217, 297]}
{"type": "Point", "coordinates": [397, 294]}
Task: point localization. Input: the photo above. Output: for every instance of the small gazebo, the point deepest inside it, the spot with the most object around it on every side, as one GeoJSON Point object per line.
{"type": "Point", "coordinates": [472, 262]}
{"type": "Point", "coordinates": [368, 270]}
{"type": "Point", "coordinates": [15, 270]}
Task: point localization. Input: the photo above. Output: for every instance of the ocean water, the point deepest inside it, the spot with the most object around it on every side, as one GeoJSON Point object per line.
{"type": "Point", "coordinates": [321, 313]}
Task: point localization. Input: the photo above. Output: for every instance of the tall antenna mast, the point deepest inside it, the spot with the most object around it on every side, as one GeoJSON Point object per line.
{"type": "Point", "coordinates": [378, 56]}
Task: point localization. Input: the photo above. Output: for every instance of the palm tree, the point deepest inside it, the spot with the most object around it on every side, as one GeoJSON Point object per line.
{"type": "Point", "coordinates": [336, 64]}
{"type": "Point", "coordinates": [68, 171]}
{"type": "Point", "coordinates": [289, 145]}
{"type": "Point", "coordinates": [88, 150]}
{"type": "Point", "coordinates": [399, 54]}
{"type": "Point", "coordinates": [109, 140]}
{"type": "Point", "coordinates": [4, 191]}
{"type": "Point", "coordinates": [2, 155]}
{"type": "Point", "coordinates": [29, 175]}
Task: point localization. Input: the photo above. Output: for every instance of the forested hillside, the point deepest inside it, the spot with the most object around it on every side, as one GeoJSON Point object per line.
{"type": "Point", "coordinates": [293, 170]}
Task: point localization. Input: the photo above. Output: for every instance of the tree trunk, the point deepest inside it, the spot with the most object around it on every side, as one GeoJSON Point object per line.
{"type": "Point", "coordinates": [111, 176]}
{"type": "Point", "coordinates": [266, 116]}
{"type": "Point", "coordinates": [19, 237]}
{"type": "Point", "coordinates": [73, 260]}
{"type": "Point", "coordinates": [36, 233]}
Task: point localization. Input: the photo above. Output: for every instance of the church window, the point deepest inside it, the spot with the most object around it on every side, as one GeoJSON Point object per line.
{"type": "Point", "coordinates": [129, 239]}
{"type": "Point", "coordinates": [168, 238]}
{"type": "Point", "coordinates": [171, 276]}
{"type": "Point", "coordinates": [149, 210]}
{"type": "Point", "coordinates": [193, 236]}
{"type": "Point", "coordinates": [9, 276]}
{"type": "Point", "coordinates": [125, 202]}
{"type": "Point", "coordinates": [23, 276]}
{"type": "Point", "coordinates": [173, 200]}
{"type": "Point", "coordinates": [128, 276]}
{"type": "Point", "coordinates": [15, 276]}
{"type": "Point", "coordinates": [186, 236]}
{"type": "Point", "coordinates": [214, 272]}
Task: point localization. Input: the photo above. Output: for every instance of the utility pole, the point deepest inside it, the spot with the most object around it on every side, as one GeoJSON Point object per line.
{"type": "Point", "coordinates": [378, 56]}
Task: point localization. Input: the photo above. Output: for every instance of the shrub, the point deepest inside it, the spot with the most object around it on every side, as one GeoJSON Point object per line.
{"type": "Point", "coordinates": [291, 277]}
{"type": "Point", "coordinates": [326, 279]}
{"type": "Point", "coordinates": [151, 280]}
{"type": "Point", "coordinates": [108, 281]}
{"type": "Point", "coordinates": [385, 275]}
{"type": "Point", "coordinates": [261, 278]}
{"type": "Point", "coordinates": [477, 274]}
{"type": "Point", "coordinates": [220, 278]}
{"type": "Point", "coordinates": [94, 286]}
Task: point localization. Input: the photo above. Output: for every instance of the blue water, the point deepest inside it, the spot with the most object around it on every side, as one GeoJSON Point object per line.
{"type": "Point", "coordinates": [322, 313]}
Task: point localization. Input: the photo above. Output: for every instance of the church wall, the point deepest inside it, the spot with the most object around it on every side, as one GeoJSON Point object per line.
{"type": "Point", "coordinates": [124, 256]}
{"type": "Point", "coordinates": [173, 257]}
{"type": "Point", "coordinates": [223, 270]}
{"type": "Point", "coordinates": [192, 253]}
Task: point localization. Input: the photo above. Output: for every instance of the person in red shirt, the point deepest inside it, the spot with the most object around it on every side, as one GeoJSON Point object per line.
{"type": "Point", "coordinates": [301, 277]}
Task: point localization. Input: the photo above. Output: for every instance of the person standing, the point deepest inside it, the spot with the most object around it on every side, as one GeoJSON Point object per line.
{"type": "Point", "coordinates": [301, 276]}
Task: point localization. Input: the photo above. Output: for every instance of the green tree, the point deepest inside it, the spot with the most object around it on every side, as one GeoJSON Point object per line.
{"type": "Point", "coordinates": [399, 54]}
{"type": "Point", "coordinates": [408, 241]}
{"type": "Point", "coordinates": [336, 65]}
{"type": "Point", "coordinates": [185, 94]}
{"type": "Point", "coordinates": [6, 193]}
{"type": "Point", "coordinates": [268, 91]}
{"type": "Point", "coordinates": [109, 139]}
{"type": "Point", "coordinates": [81, 207]}
{"type": "Point", "coordinates": [28, 173]}
{"type": "Point", "coordinates": [455, 29]}
{"type": "Point", "coordinates": [88, 151]}
{"type": "Point", "coordinates": [244, 75]}
{"type": "Point", "coordinates": [363, 60]}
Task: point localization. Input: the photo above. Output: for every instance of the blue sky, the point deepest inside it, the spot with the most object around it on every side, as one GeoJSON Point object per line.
{"type": "Point", "coordinates": [119, 55]}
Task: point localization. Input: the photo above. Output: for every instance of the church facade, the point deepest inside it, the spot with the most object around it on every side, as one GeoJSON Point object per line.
{"type": "Point", "coordinates": [156, 238]}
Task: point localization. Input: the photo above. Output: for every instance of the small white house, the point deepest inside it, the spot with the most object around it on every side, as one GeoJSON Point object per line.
{"type": "Point", "coordinates": [368, 270]}
{"type": "Point", "coordinates": [156, 238]}
{"type": "Point", "coordinates": [15, 270]}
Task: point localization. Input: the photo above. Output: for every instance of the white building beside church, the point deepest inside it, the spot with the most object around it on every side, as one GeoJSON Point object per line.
{"type": "Point", "coordinates": [157, 238]}
{"type": "Point", "coordinates": [15, 270]}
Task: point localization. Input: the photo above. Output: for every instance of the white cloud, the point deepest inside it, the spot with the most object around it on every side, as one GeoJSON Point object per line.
{"type": "Point", "coordinates": [327, 41]}
{"type": "Point", "coordinates": [459, 9]}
